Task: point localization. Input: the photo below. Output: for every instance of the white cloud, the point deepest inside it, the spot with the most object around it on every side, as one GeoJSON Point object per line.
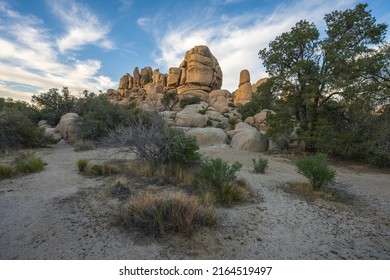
{"type": "Point", "coordinates": [144, 21]}
{"type": "Point", "coordinates": [31, 63]}
{"type": "Point", "coordinates": [236, 40]}
{"type": "Point", "coordinates": [82, 26]}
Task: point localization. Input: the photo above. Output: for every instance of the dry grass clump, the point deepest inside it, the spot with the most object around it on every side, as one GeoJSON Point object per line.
{"type": "Point", "coordinates": [119, 187]}
{"type": "Point", "coordinates": [6, 171]}
{"type": "Point", "coordinates": [27, 162]}
{"type": "Point", "coordinates": [83, 145]}
{"type": "Point", "coordinates": [306, 191]}
{"type": "Point", "coordinates": [105, 169]}
{"type": "Point", "coordinates": [161, 213]}
{"type": "Point", "coordinates": [168, 173]}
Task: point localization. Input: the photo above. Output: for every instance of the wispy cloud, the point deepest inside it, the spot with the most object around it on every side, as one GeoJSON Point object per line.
{"type": "Point", "coordinates": [236, 40]}
{"type": "Point", "coordinates": [82, 26]}
{"type": "Point", "coordinates": [30, 60]}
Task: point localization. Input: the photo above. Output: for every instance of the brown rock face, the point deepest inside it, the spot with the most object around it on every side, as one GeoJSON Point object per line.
{"type": "Point", "coordinates": [258, 83]}
{"type": "Point", "coordinates": [200, 70]}
{"type": "Point", "coordinates": [136, 78]}
{"type": "Point", "coordinates": [244, 92]}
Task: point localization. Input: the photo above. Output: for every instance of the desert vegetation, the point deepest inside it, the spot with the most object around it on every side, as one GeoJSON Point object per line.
{"type": "Point", "coordinates": [21, 163]}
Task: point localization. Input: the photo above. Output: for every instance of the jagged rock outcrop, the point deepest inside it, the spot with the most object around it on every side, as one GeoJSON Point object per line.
{"type": "Point", "coordinates": [244, 92]}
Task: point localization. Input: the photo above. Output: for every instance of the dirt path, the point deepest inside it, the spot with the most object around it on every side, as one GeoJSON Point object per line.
{"type": "Point", "coordinates": [59, 214]}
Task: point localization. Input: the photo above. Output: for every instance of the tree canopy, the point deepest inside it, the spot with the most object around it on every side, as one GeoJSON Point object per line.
{"type": "Point", "coordinates": [335, 79]}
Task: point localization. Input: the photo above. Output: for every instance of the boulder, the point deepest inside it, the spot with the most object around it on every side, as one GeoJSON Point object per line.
{"type": "Point", "coordinates": [173, 77]}
{"type": "Point", "coordinates": [259, 118]}
{"type": "Point", "coordinates": [190, 116]}
{"type": "Point", "coordinates": [208, 136]}
{"type": "Point", "coordinates": [42, 122]}
{"type": "Point", "coordinates": [68, 128]}
{"type": "Point", "coordinates": [244, 77]}
{"type": "Point", "coordinates": [258, 83]}
{"type": "Point", "coordinates": [249, 140]}
{"type": "Point", "coordinates": [219, 100]}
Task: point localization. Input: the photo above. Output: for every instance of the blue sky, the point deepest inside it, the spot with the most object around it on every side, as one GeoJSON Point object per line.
{"type": "Point", "coordinates": [90, 44]}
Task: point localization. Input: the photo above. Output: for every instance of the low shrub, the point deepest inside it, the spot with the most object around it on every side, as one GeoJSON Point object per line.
{"type": "Point", "coordinates": [157, 213]}
{"type": "Point", "coordinates": [83, 145]}
{"type": "Point", "coordinates": [260, 165]}
{"type": "Point", "coordinates": [82, 164]}
{"type": "Point", "coordinates": [217, 172]}
{"type": "Point", "coordinates": [6, 171]}
{"type": "Point", "coordinates": [230, 192]}
{"type": "Point", "coordinates": [189, 101]}
{"type": "Point", "coordinates": [316, 170]}
{"type": "Point", "coordinates": [28, 163]}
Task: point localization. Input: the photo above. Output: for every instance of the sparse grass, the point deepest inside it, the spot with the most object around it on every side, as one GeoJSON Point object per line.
{"type": "Point", "coordinates": [82, 164]}
{"type": "Point", "coordinates": [6, 171]}
{"type": "Point", "coordinates": [260, 165]}
{"type": "Point", "coordinates": [28, 163]}
{"type": "Point", "coordinates": [316, 170]}
{"type": "Point", "coordinates": [119, 187]}
{"type": "Point", "coordinates": [306, 191]}
{"type": "Point", "coordinates": [161, 213]}
{"type": "Point", "coordinates": [84, 145]}
{"type": "Point", "coordinates": [229, 193]}
{"type": "Point", "coordinates": [105, 169]}
{"type": "Point", "coordinates": [170, 173]}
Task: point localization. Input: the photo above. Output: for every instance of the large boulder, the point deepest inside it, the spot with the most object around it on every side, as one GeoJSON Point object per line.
{"type": "Point", "coordinates": [68, 127]}
{"type": "Point", "coordinates": [208, 136]}
{"type": "Point", "coordinates": [256, 85]}
{"type": "Point", "coordinates": [219, 100]}
{"type": "Point", "coordinates": [190, 116]}
{"type": "Point", "coordinates": [248, 138]}
{"type": "Point", "coordinates": [200, 70]}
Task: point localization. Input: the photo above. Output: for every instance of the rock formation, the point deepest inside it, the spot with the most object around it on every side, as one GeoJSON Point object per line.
{"type": "Point", "coordinates": [244, 92]}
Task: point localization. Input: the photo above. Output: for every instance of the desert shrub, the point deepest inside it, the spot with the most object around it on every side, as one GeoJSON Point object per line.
{"type": "Point", "coordinates": [157, 213]}
{"type": "Point", "coordinates": [119, 187]}
{"type": "Point", "coordinates": [260, 101]}
{"type": "Point", "coordinates": [6, 171]}
{"type": "Point", "coordinates": [260, 165]}
{"type": "Point", "coordinates": [152, 141]}
{"type": "Point", "coordinates": [17, 131]}
{"type": "Point", "coordinates": [28, 110]}
{"type": "Point", "coordinates": [82, 164]}
{"type": "Point", "coordinates": [169, 99]}
{"type": "Point", "coordinates": [105, 169]}
{"type": "Point", "coordinates": [229, 193]}
{"type": "Point", "coordinates": [84, 145]}
{"type": "Point", "coordinates": [217, 172]}
{"type": "Point", "coordinates": [189, 101]}
{"type": "Point", "coordinates": [316, 170]}
{"type": "Point", "coordinates": [232, 121]}
{"type": "Point", "coordinates": [99, 116]}
{"type": "Point", "coordinates": [28, 163]}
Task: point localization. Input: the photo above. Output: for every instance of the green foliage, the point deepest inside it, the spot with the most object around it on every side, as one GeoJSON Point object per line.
{"type": "Point", "coordinates": [84, 145]}
{"type": "Point", "coordinates": [54, 105]}
{"type": "Point", "coordinates": [28, 110]}
{"type": "Point", "coordinates": [260, 165]}
{"type": "Point", "coordinates": [99, 116]}
{"type": "Point", "coordinates": [217, 172]}
{"type": "Point", "coordinates": [6, 171]}
{"type": "Point", "coordinates": [169, 99]}
{"type": "Point", "coordinates": [82, 164]}
{"type": "Point", "coordinates": [174, 147]}
{"type": "Point", "coordinates": [189, 101]}
{"type": "Point", "coordinates": [17, 131]}
{"type": "Point", "coordinates": [316, 170]}
{"type": "Point", "coordinates": [330, 89]}
{"type": "Point", "coordinates": [232, 121]}
{"type": "Point", "coordinates": [28, 163]}
{"type": "Point", "coordinates": [262, 99]}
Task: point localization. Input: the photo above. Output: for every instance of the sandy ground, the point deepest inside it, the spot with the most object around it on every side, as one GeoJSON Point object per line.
{"type": "Point", "coordinates": [59, 214]}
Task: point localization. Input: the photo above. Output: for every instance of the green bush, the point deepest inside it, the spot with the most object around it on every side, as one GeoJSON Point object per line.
{"type": "Point", "coordinates": [260, 101]}
{"type": "Point", "coordinates": [217, 172]}
{"type": "Point", "coordinates": [175, 147]}
{"type": "Point", "coordinates": [316, 170]}
{"type": "Point", "coordinates": [6, 171]}
{"type": "Point", "coordinates": [28, 163]}
{"type": "Point", "coordinates": [17, 131]}
{"type": "Point", "coordinates": [82, 164]}
{"type": "Point", "coordinates": [260, 165]}
{"type": "Point", "coordinates": [84, 145]}
{"type": "Point", "coordinates": [189, 101]}
{"type": "Point", "coordinates": [169, 99]}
